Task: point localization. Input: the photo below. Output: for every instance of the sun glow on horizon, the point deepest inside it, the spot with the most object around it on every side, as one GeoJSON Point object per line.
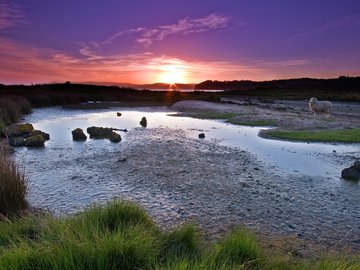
{"type": "Point", "coordinates": [172, 74]}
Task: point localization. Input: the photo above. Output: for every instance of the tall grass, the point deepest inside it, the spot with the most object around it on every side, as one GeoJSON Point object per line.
{"type": "Point", "coordinates": [121, 235]}
{"type": "Point", "coordinates": [13, 186]}
{"type": "Point", "coordinates": [11, 109]}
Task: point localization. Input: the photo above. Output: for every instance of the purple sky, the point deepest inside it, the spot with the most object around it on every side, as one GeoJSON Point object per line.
{"type": "Point", "coordinates": [143, 41]}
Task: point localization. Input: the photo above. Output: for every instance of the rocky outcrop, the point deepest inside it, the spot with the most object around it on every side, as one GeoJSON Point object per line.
{"type": "Point", "coordinates": [20, 130]}
{"type": "Point", "coordinates": [16, 141]}
{"type": "Point", "coordinates": [99, 132]}
{"type": "Point", "coordinates": [115, 137]}
{"type": "Point", "coordinates": [36, 132]}
{"type": "Point", "coordinates": [352, 173]}
{"type": "Point", "coordinates": [202, 135]}
{"type": "Point", "coordinates": [35, 141]}
{"type": "Point", "coordinates": [78, 135]}
{"type": "Point", "coordinates": [26, 135]}
{"type": "Point", "coordinates": [143, 122]}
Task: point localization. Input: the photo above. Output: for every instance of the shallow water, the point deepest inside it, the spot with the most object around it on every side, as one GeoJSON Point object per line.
{"type": "Point", "coordinates": [297, 185]}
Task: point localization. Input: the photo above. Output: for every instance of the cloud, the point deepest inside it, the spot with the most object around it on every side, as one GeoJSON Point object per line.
{"type": "Point", "coordinates": [147, 36]}
{"type": "Point", "coordinates": [11, 15]}
{"type": "Point", "coordinates": [349, 20]}
{"type": "Point", "coordinates": [184, 27]}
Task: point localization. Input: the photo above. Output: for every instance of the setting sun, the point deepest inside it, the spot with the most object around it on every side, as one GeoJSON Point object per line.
{"type": "Point", "coordinates": [172, 74]}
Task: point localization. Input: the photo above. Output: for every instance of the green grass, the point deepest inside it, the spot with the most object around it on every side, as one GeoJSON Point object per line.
{"type": "Point", "coordinates": [344, 135]}
{"type": "Point", "coordinates": [213, 115]}
{"type": "Point", "coordinates": [13, 186]}
{"type": "Point", "coordinates": [255, 123]}
{"type": "Point", "coordinates": [120, 235]}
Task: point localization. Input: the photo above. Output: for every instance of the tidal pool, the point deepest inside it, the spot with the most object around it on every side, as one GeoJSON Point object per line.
{"type": "Point", "coordinates": [232, 176]}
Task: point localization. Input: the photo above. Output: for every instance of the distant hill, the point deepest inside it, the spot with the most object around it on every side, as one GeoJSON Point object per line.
{"type": "Point", "coordinates": [341, 83]}
{"type": "Point", "coordinates": [187, 86]}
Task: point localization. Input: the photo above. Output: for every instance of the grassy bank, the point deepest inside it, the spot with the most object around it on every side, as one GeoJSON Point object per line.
{"type": "Point", "coordinates": [255, 123]}
{"type": "Point", "coordinates": [121, 235]}
{"type": "Point", "coordinates": [344, 135]}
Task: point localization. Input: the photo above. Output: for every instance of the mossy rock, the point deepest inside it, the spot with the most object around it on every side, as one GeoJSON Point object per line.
{"type": "Point", "coordinates": [78, 135]}
{"type": "Point", "coordinates": [99, 132]}
{"type": "Point", "coordinates": [36, 132]}
{"type": "Point", "coordinates": [20, 130]}
{"type": "Point", "coordinates": [35, 141]}
{"type": "Point", "coordinates": [114, 137]}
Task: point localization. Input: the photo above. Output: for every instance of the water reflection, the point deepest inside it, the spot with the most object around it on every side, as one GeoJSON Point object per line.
{"type": "Point", "coordinates": [313, 159]}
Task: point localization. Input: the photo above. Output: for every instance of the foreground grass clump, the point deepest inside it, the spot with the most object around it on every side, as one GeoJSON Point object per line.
{"type": "Point", "coordinates": [121, 235]}
{"type": "Point", "coordinates": [13, 186]}
{"type": "Point", "coordinates": [344, 135]}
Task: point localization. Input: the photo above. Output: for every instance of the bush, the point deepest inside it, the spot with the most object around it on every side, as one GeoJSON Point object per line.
{"type": "Point", "coordinates": [13, 186]}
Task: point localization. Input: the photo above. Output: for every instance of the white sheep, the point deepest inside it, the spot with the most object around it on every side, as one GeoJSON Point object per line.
{"type": "Point", "coordinates": [320, 106]}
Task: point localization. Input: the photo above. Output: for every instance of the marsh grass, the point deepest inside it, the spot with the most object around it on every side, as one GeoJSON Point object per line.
{"type": "Point", "coordinates": [343, 135]}
{"type": "Point", "coordinates": [212, 115]}
{"type": "Point", "coordinates": [255, 123]}
{"type": "Point", "coordinates": [13, 186]}
{"type": "Point", "coordinates": [120, 235]}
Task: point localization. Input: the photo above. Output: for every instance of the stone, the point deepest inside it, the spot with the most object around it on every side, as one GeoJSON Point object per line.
{"type": "Point", "coordinates": [99, 132]}
{"type": "Point", "coordinates": [35, 141]}
{"type": "Point", "coordinates": [114, 137]}
{"type": "Point", "coordinates": [202, 135]}
{"type": "Point", "coordinates": [78, 135]}
{"type": "Point", "coordinates": [39, 132]}
{"type": "Point", "coordinates": [143, 122]}
{"type": "Point", "coordinates": [118, 113]}
{"type": "Point", "coordinates": [16, 141]}
{"type": "Point", "coordinates": [20, 130]}
{"type": "Point", "coordinates": [357, 164]}
{"type": "Point", "coordinates": [352, 173]}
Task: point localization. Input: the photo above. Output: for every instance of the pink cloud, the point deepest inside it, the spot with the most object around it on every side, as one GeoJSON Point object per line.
{"type": "Point", "coordinates": [184, 27]}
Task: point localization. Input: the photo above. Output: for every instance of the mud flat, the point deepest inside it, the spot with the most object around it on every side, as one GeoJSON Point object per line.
{"type": "Point", "coordinates": [178, 177]}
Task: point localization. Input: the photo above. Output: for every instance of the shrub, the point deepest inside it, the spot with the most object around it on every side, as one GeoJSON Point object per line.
{"type": "Point", "coordinates": [13, 186]}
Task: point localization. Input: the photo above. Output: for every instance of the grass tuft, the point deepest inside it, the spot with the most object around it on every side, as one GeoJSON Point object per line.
{"type": "Point", "coordinates": [239, 248]}
{"type": "Point", "coordinates": [183, 242]}
{"type": "Point", "coordinates": [13, 186]}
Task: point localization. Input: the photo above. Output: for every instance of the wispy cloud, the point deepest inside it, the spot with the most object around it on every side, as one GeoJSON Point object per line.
{"type": "Point", "coordinates": [184, 27]}
{"type": "Point", "coordinates": [11, 15]}
{"type": "Point", "coordinates": [349, 20]}
{"type": "Point", "coordinates": [147, 36]}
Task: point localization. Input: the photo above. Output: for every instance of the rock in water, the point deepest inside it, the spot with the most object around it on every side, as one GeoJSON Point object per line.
{"type": "Point", "coordinates": [39, 132]}
{"type": "Point", "coordinates": [114, 137]}
{"type": "Point", "coordinates": [99, 132]}
{"type": "Point", "coordinates": [78, 135]}
{"type": "Point", "coordinates": [20, 130]}
{"type": "Point", "coordinates": [35, 141]}
{"type": "Point", "coordinates": [16, 141]}
{"type": "Point", "coordinates": [143, 122]}
{"type": "Point", "coordinates": [202, 135]}
{"type": "Point", "coordinates": [352, 173]}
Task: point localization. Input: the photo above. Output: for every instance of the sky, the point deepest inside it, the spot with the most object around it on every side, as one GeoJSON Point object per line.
{"type": "Point", "coordinates": [148, 41]}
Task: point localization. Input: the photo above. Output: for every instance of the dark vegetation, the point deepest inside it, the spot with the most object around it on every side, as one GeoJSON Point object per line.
{"type": "Point", "coordinates": [342, 88]}
{"type": "Point", "coordinates": [61, 94]}
{"type": "Point", "coordinates": [13, 186]}
{"type": "Point", "coordinates": [120, 235]}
